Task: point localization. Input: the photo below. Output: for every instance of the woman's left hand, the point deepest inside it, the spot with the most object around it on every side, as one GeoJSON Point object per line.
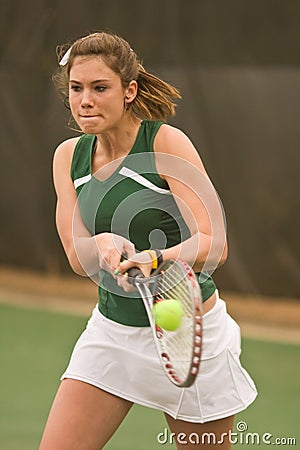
{"type": "Point", "coordinates": [141, 260]}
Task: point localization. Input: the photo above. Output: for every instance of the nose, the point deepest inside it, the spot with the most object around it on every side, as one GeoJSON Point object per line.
{"type": "Point", "coordinates": [87, 99]}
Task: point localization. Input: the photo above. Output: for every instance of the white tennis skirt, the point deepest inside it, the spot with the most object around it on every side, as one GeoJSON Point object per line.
{"type": "Point", "coordinates": [123, 360]}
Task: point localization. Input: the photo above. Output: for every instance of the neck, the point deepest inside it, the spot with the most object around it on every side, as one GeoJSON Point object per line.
{"type": "Point", "coordinates": [117, 142]}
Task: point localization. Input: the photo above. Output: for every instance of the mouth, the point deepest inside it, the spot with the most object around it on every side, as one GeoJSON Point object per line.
{"type": "Point", "coordinates": [88, 116]}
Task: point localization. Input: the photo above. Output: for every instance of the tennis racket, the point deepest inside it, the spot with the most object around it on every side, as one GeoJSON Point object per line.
{"type": "Point", "coordinates": [180, 350]}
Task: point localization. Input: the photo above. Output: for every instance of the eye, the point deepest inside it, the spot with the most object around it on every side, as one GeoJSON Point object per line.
{"type": "Point", "coordinates": [75, 88]}
{"type": "Point", "coordinates": [100, 88]}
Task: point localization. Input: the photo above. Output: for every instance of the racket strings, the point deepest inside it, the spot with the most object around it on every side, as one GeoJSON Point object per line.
{"type": "Point", "coordinates": [178, 345]}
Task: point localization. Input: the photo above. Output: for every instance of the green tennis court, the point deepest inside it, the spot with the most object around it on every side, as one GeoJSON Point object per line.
{"type": "Point", "coordinates": [35, 346]}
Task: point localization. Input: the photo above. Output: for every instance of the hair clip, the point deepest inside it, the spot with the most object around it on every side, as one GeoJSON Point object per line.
{"type": "Point", "coordinates": [64, 60]}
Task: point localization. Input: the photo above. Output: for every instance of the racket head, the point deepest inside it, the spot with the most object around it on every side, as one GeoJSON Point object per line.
{"type": "Point", "coordinates": [179, 350]}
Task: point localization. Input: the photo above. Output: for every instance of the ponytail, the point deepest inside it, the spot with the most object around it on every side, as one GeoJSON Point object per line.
{"type": "Point", "coordinates": [155, 99]}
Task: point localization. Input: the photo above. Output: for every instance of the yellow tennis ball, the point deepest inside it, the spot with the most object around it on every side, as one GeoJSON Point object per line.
{"type": "Point", "coordinates": [168, 314]}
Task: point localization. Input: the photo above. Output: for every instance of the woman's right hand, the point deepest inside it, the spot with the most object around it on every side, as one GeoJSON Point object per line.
{"type": "Point", "coordinates": [111, 247]}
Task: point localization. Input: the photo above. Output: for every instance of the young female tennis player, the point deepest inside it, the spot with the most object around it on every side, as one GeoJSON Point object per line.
{"type": "Point", "coordinates": [132, 183]}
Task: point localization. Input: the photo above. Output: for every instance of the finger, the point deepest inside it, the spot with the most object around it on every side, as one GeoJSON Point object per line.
{"type": "Point", "coordinates": [129, 249]}
{"type": "Point", "coordinates": [145, 265]}
{"type": "Point", "coordinates": [124, 266]}
{"type": "Point", "coordinates": [107, 264]}
{"type": "Point", "coordinates": [115, 260]}
{"type": "Point", "coordinates": [124, 284]}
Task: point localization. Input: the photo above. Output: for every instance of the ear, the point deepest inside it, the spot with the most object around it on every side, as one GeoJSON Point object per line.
{"type": "Point", "coordinates": [131, 91]}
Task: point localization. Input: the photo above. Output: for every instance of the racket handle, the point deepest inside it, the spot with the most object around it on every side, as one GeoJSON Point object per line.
{"type": "Point", "coordinates": [133, 273]}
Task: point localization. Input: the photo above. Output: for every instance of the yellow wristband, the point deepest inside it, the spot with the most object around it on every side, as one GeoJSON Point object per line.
{"type": "Point", "coordinates": [152, 253]}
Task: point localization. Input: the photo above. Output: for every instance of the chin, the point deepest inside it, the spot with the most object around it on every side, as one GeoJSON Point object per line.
{"type": "Point", "coordinates": [89, 128]}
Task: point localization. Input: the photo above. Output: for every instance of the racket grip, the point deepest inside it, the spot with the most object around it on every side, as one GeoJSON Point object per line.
{"type": "Point", "coordinates": [133, 273]}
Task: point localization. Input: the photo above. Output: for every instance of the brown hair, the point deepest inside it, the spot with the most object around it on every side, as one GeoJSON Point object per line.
{"type": "Point", "coordinates": [155, 99]}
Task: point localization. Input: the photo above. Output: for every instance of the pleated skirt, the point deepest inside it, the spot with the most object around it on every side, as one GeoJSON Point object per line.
{"type": "Point", "coordinates": [123, 360]}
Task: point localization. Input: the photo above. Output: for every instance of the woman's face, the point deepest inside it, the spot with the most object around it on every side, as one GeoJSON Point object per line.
{"type": "Point", "coordinates": [96, 95]}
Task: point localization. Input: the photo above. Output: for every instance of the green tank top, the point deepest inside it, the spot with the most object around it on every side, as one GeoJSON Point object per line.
{"type": "Point", "coordinates": [134, 202]}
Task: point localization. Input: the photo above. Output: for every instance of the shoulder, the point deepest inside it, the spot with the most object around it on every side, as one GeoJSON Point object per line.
{"type": "Point", "coordinates": [172, 141]}
{"type": "Point", "coordinates": [62, 162]}
{"type": "Point", "coordinates": [64, 152]}
{"type": "Point", "coordinates": [170, 132]}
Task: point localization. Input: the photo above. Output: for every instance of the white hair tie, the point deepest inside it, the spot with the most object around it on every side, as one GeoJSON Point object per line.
{"type": "Point", "coordinates": [64, 60]}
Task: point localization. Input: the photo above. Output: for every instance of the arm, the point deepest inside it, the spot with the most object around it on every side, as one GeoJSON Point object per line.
{"type": "Point", "coordinates": [66, 210]}
{"type": "Point", "coordinates": [86, 253]}
{"type": "Point", "coordinates": [180, 165]}
{"type": "Point", "coordinates": [178, 162]}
